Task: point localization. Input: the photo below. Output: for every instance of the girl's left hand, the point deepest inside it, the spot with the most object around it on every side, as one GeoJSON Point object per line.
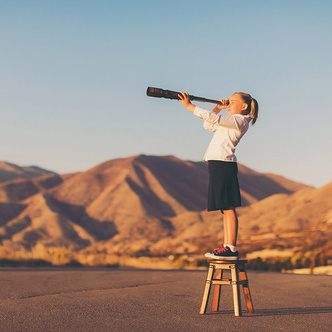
{"type": "Point", "coordinates": [184, 99]}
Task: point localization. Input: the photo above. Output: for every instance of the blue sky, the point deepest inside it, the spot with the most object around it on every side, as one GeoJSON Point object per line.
{"type": "Point", "coordinates": [74, 76]}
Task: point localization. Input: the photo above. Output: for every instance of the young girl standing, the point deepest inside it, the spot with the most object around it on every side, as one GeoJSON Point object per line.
{"type": "Point", "coordinates": [224, 191]}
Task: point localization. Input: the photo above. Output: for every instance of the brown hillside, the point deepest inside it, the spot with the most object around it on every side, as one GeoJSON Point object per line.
{"type": "Point", "coordinates": [42, 222]}
{"type": "Point", "coordinates": [20, 189]}
{"type": "Point", "coordinates": [140, 185]}
{"type": "Point", "coordinates": [9, 171]}
{"type": "Point", "coordinates": [287, 223]}
{"type": "Point", "coordinates": [124, 204]}
{"type": "Point", "coordinates": [260, 185]}
{"type": "Point", "coordinates": [306, 209]}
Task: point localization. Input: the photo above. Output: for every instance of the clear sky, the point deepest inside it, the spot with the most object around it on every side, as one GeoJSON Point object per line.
{"type": "Point", "coordinates": [74, 76]}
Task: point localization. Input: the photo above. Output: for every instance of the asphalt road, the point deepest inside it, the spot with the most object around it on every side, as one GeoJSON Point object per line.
{"type": "Point", "coordinates": [81, 299]}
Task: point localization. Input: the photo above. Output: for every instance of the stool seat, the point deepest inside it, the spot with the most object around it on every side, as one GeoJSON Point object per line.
{"type": "Point", "coordinates": [238, 277]}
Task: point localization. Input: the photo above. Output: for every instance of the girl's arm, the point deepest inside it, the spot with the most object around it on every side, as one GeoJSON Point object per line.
{"type": "Point", "coordinates": [234, 121]}
{"type": "Point", "coordinates": [211, 119]}
{"type": "Point", "coordinates": [185, 101]}
{"type": "Point", "coordinates": [218, 108]}
{"type": "Point", "coordinates": [210, 126]}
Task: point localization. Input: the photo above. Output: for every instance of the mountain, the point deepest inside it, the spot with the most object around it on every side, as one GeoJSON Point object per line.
{"type": "Point", "coordinates": [19, 189]}
{"type": "Point", "coordinates": [282, 224]}
{"type": "Point", "coordinates": [301, 221]}
{"type": "Point", "coordinates": [132, 204]}
{"type": "Point", "coordinates": [9, 171]}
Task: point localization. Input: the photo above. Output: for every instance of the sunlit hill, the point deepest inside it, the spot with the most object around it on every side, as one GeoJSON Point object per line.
{"type": "Point", "coordinates": [146, 209]}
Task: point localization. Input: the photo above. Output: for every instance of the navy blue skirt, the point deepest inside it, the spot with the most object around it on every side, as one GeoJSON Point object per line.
{"type": "Point", "coordinates": [224, 190]}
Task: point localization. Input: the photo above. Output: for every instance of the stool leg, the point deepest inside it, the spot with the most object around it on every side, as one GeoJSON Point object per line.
{"type": "Point", "coordinates": [236, 293]}
{"type": "Point", "coordinates": [206, 290]}
{"type": "Point", "coordinates": [246, 290]}
{"type": "Point", "coordinates": [216, 292]}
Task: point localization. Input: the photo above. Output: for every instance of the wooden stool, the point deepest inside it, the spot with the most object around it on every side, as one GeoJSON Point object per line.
{"type": "Point", "coordinates": [237, 268]}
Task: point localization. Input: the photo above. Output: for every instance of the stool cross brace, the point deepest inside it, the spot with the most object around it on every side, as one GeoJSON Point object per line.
{"type": "Point", "coordinates": [239, 277]}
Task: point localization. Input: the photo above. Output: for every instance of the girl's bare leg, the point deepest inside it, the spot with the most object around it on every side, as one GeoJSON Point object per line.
{"type": "Point", "coordinates": [230, 227]}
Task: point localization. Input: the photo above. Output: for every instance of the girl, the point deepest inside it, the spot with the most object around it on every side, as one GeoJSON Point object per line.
{"type": "Point", "coordinates": [224, 192]}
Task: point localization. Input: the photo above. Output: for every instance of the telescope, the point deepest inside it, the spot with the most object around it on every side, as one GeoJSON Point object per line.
{"type": "Point", "coordinates": [168, 94]}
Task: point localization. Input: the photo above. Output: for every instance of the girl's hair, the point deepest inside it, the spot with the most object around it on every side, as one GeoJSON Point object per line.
{"type": "Point", "coordinates": [252, 105]}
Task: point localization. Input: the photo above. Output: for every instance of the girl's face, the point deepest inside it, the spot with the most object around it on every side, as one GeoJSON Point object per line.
{"type": "Point", "coordinates": [236, 105]}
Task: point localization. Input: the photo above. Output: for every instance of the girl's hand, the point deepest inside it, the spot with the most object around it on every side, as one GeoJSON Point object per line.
{"type": "Point", "coordinates": [184, 99]}
{"type": "Point", "coordinates": [224, 104]}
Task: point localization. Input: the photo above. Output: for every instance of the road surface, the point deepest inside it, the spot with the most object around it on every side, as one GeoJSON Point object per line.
{"type": "Point", "coordinates": [110, 299]}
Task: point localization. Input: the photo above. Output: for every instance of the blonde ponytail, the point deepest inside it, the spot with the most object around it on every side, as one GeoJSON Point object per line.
{"type": "Point", "coordinates": [252, 105]}
{"type": "Point", "coordinates": [254, 110]}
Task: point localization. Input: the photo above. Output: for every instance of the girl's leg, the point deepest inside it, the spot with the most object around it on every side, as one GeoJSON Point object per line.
{"type": "Point", "coordinates": [230, 227]}
{"type": "Point", "coordinates": [230, 237]}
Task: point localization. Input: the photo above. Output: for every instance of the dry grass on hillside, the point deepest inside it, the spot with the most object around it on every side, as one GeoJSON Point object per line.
{"type": "Point", "coordinates": [61, 256]}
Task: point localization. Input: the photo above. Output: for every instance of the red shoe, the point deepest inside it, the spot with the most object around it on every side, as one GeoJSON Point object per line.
{"type": "Point", "coordinates": [223, 253]}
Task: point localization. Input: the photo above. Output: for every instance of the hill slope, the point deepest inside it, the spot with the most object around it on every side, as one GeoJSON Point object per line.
{"type": "Point", "coordinates": [9, 171]}
{"type": "Point", "coordinates": [124, 205]}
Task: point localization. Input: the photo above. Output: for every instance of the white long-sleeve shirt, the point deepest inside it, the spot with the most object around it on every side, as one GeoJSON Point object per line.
{"type": "Point", "coordinates": [228, 130]}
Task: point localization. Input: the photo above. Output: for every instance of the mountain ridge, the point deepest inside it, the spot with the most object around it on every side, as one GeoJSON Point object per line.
{"type": "Point", "coordinates": [154, 203]}
{"type": "Point", "coordinates": [10, 171]}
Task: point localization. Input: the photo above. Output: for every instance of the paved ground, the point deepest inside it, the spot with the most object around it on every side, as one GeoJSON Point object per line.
{"type": "Point", "coordinates": [143, 300]}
